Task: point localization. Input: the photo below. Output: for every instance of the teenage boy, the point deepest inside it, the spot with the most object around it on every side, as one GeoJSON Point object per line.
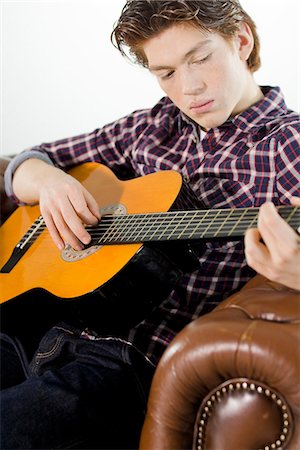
{"type": "Point", "coordinates": [235, 143]}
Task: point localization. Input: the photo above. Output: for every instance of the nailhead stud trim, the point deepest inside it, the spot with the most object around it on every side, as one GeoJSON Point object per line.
{"type": "Point", "coordinates": [225, 390]}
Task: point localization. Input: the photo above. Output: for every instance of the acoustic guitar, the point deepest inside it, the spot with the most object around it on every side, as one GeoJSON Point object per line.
{"type": "Point", "coordinates": [134, 212]}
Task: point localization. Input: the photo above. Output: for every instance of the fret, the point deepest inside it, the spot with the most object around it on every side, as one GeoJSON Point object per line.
{"type": "Point", "coordinates": [162, 231]}
{"type": "Point", "coordinates": [206, 213]}
{"type": "Point", "coordinates": [238, 222]}
{"type": "Point", "coordinates": [170, 225]}
{"type": "Point", "coordinates": [176, 227]}
{"type": "Point", "coordinates": [127, 230]}
{"type": "Point", "coordinates": [110, 233]}
{"type": "Point", "coordinates": [151, 236]}
{"type": "Point", "coordinates": [253, 223]}
{"type": "Point", "coordinates": [223, 223]}
{"type": "Point", "coordinates": [148, 225]}
{"type": "Point", "coordinates": [211, 224]}
{"type": "Point", "coordinates": [190, 222]}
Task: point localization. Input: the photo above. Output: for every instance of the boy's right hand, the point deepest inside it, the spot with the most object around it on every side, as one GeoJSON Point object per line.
{"type": "Point", "coordinates": [65, 204]}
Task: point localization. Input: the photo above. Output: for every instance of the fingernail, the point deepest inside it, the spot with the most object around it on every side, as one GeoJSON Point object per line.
{"type": "Point", "coordinates": [79, 246]}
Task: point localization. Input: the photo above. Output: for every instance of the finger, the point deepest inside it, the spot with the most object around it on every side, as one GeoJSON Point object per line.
{"type": "Point", "coordinates": [274, 231]}
{"type": "Point", "coordinates": [252, 237]}
{"type": "Point", "coordinates": [64, 220]}
{"type": "Point", "coordinates": [70, 226]}
{"type": "Point", "coordinates": [53, 231]}
{"type": "Point", "coordinates": [93, 206]}
{"type": "Point", "coordinates": [87, 209]}
{"type": "Point", "coordinates": [84, 205]}
{"type": "Point", "coordinates": [66, 233]}
{"type": "Point", "coordinates": [256, 252]}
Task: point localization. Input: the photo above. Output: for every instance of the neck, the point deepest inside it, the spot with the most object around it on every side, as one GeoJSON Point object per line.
{"type": "Point", "coordinates": [252, 95]}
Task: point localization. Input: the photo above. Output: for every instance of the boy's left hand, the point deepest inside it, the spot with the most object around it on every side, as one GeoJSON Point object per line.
{"type": "Point", "coordinates": [278, 256]}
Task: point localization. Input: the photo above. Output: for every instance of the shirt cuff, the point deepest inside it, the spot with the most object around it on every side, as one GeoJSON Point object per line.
{"type": "Point", "coordinates": [14, 164]}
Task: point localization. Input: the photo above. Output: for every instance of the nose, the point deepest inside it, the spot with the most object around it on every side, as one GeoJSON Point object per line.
{"type": "Point", "coordinates": [192, 82]}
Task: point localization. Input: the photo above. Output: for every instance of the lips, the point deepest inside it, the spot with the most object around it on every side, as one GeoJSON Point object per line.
{"type": "Point", "coordinates": [201, 107]}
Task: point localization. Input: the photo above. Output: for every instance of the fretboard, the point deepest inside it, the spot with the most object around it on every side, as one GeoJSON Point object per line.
{"type": "Point", "coordinates": [183, 225]}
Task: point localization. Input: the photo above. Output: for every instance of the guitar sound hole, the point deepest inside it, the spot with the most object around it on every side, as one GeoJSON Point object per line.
{"type": "Point", "coordinates": [68, 254]}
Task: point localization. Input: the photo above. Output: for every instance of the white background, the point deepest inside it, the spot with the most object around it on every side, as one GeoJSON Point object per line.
{"type": "Point", "coordinates": [61, 76]}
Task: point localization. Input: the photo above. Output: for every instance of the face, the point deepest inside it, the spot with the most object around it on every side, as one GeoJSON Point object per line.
{"type": "Point", "coordinates": [206, 76]}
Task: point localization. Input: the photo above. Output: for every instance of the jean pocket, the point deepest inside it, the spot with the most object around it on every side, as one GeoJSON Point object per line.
{"type": "Point", "coordinates": [55, 349]}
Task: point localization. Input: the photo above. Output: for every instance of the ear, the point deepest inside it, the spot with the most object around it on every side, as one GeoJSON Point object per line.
{"type": "Point", "coordinates": [245, 41]}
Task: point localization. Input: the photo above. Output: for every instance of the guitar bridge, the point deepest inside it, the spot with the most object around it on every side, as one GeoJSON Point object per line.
{"type": "Point", "coordinates": [24, 244]}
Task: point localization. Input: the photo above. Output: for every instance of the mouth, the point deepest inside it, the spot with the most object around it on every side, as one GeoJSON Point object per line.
{"type": "Point", "coordinates": [201, 107]}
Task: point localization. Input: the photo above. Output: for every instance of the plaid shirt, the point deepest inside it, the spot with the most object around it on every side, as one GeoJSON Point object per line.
{"type": "Point", "coordinates": [248, 160]}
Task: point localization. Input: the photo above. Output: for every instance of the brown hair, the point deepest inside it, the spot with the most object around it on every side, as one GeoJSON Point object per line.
{"type": "Point", "coordinates": [141, 20]}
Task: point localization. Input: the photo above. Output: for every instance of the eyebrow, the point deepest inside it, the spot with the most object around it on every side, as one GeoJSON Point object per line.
{"type": "Point", "coordinates": [191, 52]}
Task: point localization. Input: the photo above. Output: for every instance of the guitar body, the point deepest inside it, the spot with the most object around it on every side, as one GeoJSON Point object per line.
{"type": "Point", "coordinates": [43, 267]}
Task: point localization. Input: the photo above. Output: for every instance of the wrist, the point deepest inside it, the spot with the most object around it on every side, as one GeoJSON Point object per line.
{"type": "Point", "coordinates": [30, 177]}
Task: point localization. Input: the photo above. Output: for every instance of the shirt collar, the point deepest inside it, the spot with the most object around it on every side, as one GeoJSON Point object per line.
{"type": "Point", "coordinates": [270, 106]}
{"type": "Point", "coordinates": [184, 120]}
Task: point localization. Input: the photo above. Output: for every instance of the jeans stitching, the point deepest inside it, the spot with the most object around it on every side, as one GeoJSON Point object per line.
{"type": "Point", "coordinates": [41, 355]}
{"type": "Point", "coordinates": [128, 343]}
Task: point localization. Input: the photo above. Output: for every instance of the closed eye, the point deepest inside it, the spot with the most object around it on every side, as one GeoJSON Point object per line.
{"type": "Point", "coordinates": [202, 60]}
{"type": "Point", "coordinates": [167, 75]}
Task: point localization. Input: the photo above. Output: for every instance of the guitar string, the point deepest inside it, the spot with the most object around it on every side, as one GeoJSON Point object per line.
{"type": "Point", "coordinates": [135, 219]}
{"type": "Point", "coordinates": [189, 235]}
{"type": "Point", "coordinates": [169, 217]}
{"type": "Point", "coordinates": [226, 212]}
{"type": "Point", "coordinates": [186, 233]}
{"type": "Point", "coordinates": [131, 220]}
{"type": "Point", "coordinates": [154, 237]}
{"type": "Point", "coordinates": [115, 224]}
{"type": "Point", "coordinates": [129, 234]}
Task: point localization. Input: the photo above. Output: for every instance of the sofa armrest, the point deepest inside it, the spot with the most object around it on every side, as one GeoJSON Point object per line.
{"type": "Point", "coordinates": [230, 379]}
{"type": "Point", "coordinates": [7, 206]}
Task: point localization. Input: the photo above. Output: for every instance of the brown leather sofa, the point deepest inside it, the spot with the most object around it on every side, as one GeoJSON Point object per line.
{"type": "Point", "coordinates": [231, 379]}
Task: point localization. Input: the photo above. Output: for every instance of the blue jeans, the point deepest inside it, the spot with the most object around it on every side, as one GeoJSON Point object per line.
{"type": "Point", "coordinates": [75, 393]}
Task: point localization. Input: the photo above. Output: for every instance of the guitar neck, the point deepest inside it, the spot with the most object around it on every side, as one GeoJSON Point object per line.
{"type": "Point", "coordinates": [183, 225]}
